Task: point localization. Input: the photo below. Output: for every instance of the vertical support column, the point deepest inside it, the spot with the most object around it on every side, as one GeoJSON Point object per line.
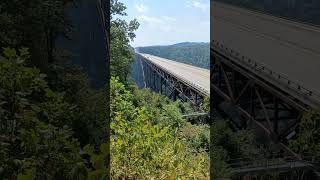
{"type": "Point", "coordinates": [196, 99]}
{"type": "Point", "coordinates": [214, 76]}
{"type": "Point", "coordinates": [145, 73]}
{"type": "Point", "coordinates": [149, 77]}
{"type": "Point", "coordinates": [175, 94]}
{"type": "Point", "coordinates": [165, 87]}
{"type": "Point", "coordinates": [276, 115]}
{"type": "Point", "coordinates": [219, 75]}
{"type": "Point", "coordinates": [161, 82]}
{"type": "Point", "coordinates": [154, 80]}
{"type": "Point", "coordinates": [234, 83]}
{"type": "Point", "coordinates": [252, 103]}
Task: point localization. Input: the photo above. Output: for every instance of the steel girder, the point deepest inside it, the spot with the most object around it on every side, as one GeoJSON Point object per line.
{"type": "Point", "coordinates": [244, 97]}
{"type": "Point", "coordinates": [163, 82]}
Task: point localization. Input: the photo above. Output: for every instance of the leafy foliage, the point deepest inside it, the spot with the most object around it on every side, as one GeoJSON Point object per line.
{"type": "Point", "coordinates": [147, 139]}
{"type": "Point", "coordinates": [30, 146]}
{"type": "Point", "coordinates": [227, 146]}
{"type": "Point", "coordinates": [34, 24]}
{"type": "Point", "coordinates": [48, 110]}
{"type": "Point", "coordinates": [121, 33]}
{"type": "Point", "coordinates": [308, 141]}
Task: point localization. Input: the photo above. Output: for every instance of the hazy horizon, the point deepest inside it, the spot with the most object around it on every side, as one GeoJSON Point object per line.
{"type": "Point", "coordinates": [173, 43]}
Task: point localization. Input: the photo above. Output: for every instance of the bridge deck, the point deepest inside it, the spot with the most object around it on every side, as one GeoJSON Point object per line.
{"type": "Point", "coordinates": [196, 76]}
{"type": "Point", "coordinates": [285, 47]}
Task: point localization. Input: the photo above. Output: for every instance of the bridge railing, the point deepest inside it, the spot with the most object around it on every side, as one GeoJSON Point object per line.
{"type": "Point", "coordinates": [241, 164]}
{"type": "Point", "coordinates": [260, 67]}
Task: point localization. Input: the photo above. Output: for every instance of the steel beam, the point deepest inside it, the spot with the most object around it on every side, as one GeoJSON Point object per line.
{"type": "Point", "coordinates": [179, 89]}
{"type": "Point", "coordinates": [257, 100]}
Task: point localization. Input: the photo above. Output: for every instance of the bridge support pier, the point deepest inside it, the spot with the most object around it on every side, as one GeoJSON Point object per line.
{"type": "Point", "coordinates": [175, 94]}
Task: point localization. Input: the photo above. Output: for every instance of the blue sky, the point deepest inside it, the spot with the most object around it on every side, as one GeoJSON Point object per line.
{"type": "Point", "coordinates": [165, 22]}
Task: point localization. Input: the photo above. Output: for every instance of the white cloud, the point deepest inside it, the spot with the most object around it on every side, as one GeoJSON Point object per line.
{"type": "Point", "coordinates": [205, 7]}
{"type": "Point", "coordinates": [164, 23]}
{"type": "Point", "coordinates": [142, 8]}
{"type": "Point", "coordinates": [149, 19]}
{"type": "Point", "coordinates": [167, 18]}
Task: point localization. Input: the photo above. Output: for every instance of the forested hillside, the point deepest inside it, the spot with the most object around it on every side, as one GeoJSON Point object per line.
{"type": "Point", "coordinates": [196, 54]}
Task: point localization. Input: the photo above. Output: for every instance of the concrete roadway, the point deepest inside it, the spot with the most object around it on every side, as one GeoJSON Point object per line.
{"type": "Point", "coordinates": [196, 76]}
{"type": "Point", "coordinates": [286, 47]}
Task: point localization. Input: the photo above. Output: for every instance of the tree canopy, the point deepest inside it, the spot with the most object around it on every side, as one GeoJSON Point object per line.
{"type": "Point", "coordinates": [121, 32]}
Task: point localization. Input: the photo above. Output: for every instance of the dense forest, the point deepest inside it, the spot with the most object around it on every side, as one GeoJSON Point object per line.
{"type": "Point", "coordinates": [196, 54]}
{"type": "Point", "coordinates": [53, 118]}
{"type": "Point", "coordinates": [51, 109]}
{"type": "Point", "coordinates": [299, 10]}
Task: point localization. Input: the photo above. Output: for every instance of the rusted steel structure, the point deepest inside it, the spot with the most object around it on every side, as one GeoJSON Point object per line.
{"type": "Point", "coordinates": [165, 82]}
{"type": "Point", "coordinates": [246, 91]}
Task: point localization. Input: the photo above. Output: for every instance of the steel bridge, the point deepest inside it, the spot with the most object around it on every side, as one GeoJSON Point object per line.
{"type": "Point", "coordinates": [264, 70]}
{"type": "Point", "coordinates": [175, 80]}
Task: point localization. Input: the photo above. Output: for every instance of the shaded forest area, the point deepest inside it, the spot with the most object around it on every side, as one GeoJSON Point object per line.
{"type": "Point", "coordinates": [52, 107]}
{"type": "Point", "coordinates": [196, 54]}
{"type": "Point", "coordinates": [300, 10]}
{"type": "Point", "coordinates": [53, 116]}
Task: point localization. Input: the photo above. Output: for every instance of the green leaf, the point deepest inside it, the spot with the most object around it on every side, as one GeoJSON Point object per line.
{"type": "Point", "coordinates": [24, 53]}
{"type": "Point", "coordinates": [25, 176]}
{"type": "Point", "coordinates": [88, 149]}
{"type": "Point", "coordinates": [9, 53]}
{"type": "Point", "coordinates": [104, 148]}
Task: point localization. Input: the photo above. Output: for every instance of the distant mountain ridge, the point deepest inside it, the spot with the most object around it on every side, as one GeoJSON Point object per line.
{"type": "Point", "coordinates": [193, 53]}
{"type": "Point", "coordinates": [189, 43]}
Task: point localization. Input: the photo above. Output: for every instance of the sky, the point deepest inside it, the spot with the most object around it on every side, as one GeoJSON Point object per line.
{"type": "Point", "coordinates": [166, 22]}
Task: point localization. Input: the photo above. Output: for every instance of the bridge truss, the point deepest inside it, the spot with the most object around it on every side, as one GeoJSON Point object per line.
{"type": "Point", "coordinates": [243, 96]}
{"type": "Point", "coordinates": [166, 83]}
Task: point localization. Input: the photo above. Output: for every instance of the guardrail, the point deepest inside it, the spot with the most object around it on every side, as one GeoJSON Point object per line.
{"type": "Point", "coordinates": [241, 164]}
{"type": "Point", "coordinates": [260, 67]}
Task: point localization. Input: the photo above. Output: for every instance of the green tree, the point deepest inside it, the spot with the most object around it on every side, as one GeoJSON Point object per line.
{"type": "Point", "coordinates": [121, 33]}
{"type": "Point", "coordinates": [29, 144]}
{"type": "Point", "coordinates": [35, 24]}
{"type": "Point", "coordinates": [227, 146]}
{"type": "Point", "coordinates": [308, 142]}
